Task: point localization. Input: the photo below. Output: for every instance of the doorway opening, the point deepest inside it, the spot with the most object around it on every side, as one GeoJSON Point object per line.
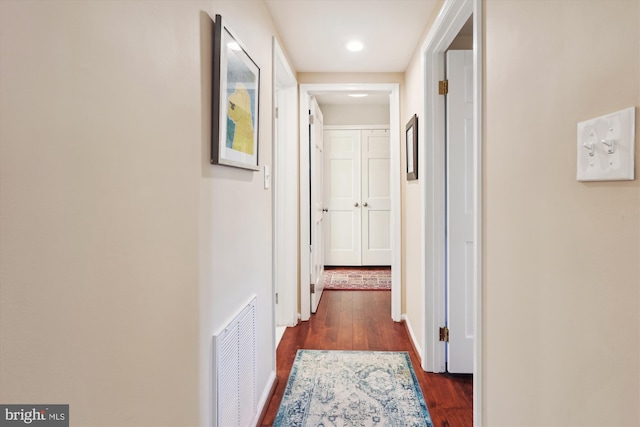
{"type": "Point", "coordinates": [392, 92]}
{"type": "Point", "coordinates": [447, 26]}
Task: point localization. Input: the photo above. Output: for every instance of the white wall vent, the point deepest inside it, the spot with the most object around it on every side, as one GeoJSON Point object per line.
{"type": "Point", "coordinates": [235, 370]}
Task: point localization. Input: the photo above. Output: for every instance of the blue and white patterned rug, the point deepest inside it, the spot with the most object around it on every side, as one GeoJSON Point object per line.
{"type": "Point", "coordinates": [352, 388]}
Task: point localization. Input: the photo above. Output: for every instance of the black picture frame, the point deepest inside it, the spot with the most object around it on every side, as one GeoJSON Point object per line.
{"type": "Point", "coordinates": [235, 101]}
{"type": "Point", "coordinates": [411, 135]}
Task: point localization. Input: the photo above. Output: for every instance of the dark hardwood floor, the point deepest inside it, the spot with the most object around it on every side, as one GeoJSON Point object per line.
{"type": "Point", "coordinates": [361, 320]}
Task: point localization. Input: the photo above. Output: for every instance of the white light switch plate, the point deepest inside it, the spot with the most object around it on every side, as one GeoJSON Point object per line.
{"type": "Point", "coordinates": [606, 147]}
{"type": "Point", "coordinates": [267, 177]}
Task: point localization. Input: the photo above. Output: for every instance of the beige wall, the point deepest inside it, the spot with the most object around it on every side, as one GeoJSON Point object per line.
{"type": "Point", "coordinates": [412, 194]}
{"type": "Point", "coordinates": [462, 43]}
{"type": "Point", "coordinates": [318, 78]}
{"type": "Point", "coordinates": [374, 114]}
{"type": "Point", "coordinates": [236, 213]}
{"type": "Point", "coordinates": [561, 257]}
{"type": "Point", "coordinates": [123, 250]}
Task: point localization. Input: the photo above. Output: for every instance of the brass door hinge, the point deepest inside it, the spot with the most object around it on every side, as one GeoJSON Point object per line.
{"type": "Point", "coordinates": [443, 87]}
{"type": "Point", "coordinates": [444, 334]}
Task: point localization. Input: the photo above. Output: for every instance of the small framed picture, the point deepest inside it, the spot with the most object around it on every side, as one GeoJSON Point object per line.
{"type": "Point", "coordinates": [236, 93]}
{"type": "Point", "coordinates": [412, 148]}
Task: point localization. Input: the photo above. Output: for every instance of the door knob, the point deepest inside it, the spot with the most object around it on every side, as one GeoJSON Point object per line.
{"type": "Point", "coordinates": [365, 204]}
{"type": "Point", "coordinates": [325, 209]}
{"type": "Point", "coordinates": [356, 204]}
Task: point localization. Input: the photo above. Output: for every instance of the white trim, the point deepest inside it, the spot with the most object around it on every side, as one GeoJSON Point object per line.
{"type": "Point", "coordinates": [412, 336]}
{"type": "Point", "coordinates": [394, 131]}
{"type": "Point", "coordinates": [280, 330]}
{"type": "Point", "coordinates": [264, 398]}
{"type": "Point", "coordinates": [453, 15]}
{"type": "Point", "coordinates": [285, 189]}
{"type": "Point", "coordinates": [356, 127]}
{"type": "Point", "coordinates": [478, 52]}
{"type": "Point", "coordinates": [304, 200]}
{"type": "Point", "coordinates": [396, 207]}
{"type": "Point", "coordinates": [447, 25]}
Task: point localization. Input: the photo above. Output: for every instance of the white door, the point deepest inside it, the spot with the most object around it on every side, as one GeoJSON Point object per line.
{"type": "Point", "coordinates": [376, 198]}
{"type": "Point", "coordinates": [357, 196]}
{"type": "Point", "coordinates": [342, 197]}
{"type": "Point", "coordinates": [317, 206]}
{"type": "Point", "coordinates": [460, 319]}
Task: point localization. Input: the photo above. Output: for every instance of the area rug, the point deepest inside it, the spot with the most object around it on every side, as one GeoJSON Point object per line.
{"type": "Point", "coordinates": [357, 279]}
{"type": "Point", "coordinates": [352, 388]}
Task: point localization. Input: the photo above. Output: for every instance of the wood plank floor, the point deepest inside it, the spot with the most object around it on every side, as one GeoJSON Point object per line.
{"type": "Point", "coordinates": [361, 320]}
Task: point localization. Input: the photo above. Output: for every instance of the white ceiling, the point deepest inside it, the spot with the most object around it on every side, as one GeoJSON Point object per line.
{"type": "Point", "coordinates": [314, 33]}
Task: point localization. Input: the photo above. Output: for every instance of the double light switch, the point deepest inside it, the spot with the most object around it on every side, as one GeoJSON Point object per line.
{"type": "Point", "coordinates": [606, 147]}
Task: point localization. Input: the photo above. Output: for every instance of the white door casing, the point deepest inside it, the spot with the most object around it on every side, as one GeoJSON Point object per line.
{"type": "Point", "coordinates": [394, 125]}
{"type": "Point", "coordinates": [277, 132]}
{"type": "Point", "coordinates": [285, 190]}
{"type": "Point", "coordinates": [376, 198]}
{"type": "Point", "coordinates": [460, 209]}
{"type": "Point", "coordinates": [450, 20]}
{"type": "Point", "coordinates": [317, 205]}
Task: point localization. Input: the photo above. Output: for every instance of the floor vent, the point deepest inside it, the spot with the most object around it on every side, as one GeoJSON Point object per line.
{"type": "Point", "coordinates": [235, 370]}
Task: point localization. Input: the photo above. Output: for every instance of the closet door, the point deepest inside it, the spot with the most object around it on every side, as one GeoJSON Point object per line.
{"type": "Point", "coordinates": [343, 224]}
{"type": "Point", "coordinates": [376, 198]}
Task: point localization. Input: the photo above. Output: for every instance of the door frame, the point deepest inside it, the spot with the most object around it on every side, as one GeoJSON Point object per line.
{"type": "Point", "coordinates": [284, 190]}
{"type": "Point", "coordinates": [447, 25]}
{"type": "Point", "coordinates": [394, 129]}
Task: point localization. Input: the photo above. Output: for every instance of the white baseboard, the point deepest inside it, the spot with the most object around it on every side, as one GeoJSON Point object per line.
{"type": "Point", "coordinates": [412, 336]}
{"type": "Point", "coordinates": [280, 330]}
{"type": "Point", "coordinates": [265, 398]}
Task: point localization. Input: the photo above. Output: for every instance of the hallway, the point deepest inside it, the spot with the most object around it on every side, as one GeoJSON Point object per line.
{"type": "Point", "coordinates": [359, 320]}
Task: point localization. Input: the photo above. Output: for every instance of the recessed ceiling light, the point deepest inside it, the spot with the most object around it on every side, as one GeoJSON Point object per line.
{"type": "Point", "coordinates": [355, 46]}
{"type": "Point", "coordinates": [234, 46]}
{"type": "Point", "coordinates": [358, 95]}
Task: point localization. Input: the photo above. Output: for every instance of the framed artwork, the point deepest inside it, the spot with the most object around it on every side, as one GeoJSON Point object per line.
{"type": "Point", "coordinates": [412, 148]}
{"type": "Point", "coordinates": [236, 95]}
